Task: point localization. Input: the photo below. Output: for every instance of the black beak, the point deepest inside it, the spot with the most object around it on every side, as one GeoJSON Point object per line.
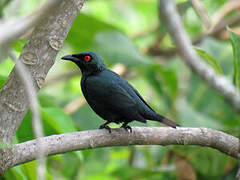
{"type": "Point", "coordinates": [68, 57]}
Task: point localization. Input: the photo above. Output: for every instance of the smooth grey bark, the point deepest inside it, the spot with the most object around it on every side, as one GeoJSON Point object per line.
{"type": "Point", "coordinates": [164, 136]}
{"type": "Point", "coordinates": [38, 55]}
{"type": "Point", "coordinates": [218, 82]}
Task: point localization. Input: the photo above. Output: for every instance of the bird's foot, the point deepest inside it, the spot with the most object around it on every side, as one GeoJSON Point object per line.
{"type": "Point", "coordinates": [127, 128]}
{"type": "Point", "coordinates": [105, 127]}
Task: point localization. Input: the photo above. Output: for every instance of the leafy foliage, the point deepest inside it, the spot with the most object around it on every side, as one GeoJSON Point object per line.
{"type": "Point", "coordinates": [235, 40]}
{"type": "Point", "coordinates": [122, 33]}
{"type": "Point", "coordinates": [210, 60]}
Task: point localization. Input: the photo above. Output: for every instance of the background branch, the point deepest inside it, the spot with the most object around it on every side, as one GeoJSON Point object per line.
{"type": "Point", "coordinates": [27, 80]}
{"type": "Point", "coordinates": [222, 12]}
{"type": "Point", "coordinates": [68, 142]}
{"type": "Point", "coordinates": [188, 54]}
{"type": "Point", "coordinates": [11, 30]}
{"type": "Point", "coordinates": [202, 13]}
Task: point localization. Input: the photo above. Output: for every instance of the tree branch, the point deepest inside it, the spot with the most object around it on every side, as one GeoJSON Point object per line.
{"type": "Point", "coordinates": [38, 55]}
{"type": "Point", "coordinates": [202, 13]}
{"type": "Point", "coordinates": [222, 12]}
{"type": "Point", "coordinates": [164, 136]}
{"type": "Point", "coordinates": [192, 60]}
{"type": "Point", "coordinates": [27, 80]}
{"type": "Point", "coordinates": [10, 30]}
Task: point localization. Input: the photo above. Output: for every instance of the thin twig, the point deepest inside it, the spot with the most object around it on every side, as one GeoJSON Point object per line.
{"type": "Point", "coordinates": [202, 13]}
{"type": "Point", "coordinates": [27, 80]}
{"type": "Point", "coordinates": [10, 30]}
{"type": "Point", "coordinates": [192, 60]}
{"type": "Point", "coordinates": [218, 31]}
{"type": "Point", "coordinates": [222, 12]}
{"type": "Point", "coordinates": [39, 55]}
{"type": "Point", "coordinates": [57, 144]}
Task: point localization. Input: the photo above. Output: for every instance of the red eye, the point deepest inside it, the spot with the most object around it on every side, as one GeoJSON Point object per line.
{"type": "Point", "coordinates": [87, 58]}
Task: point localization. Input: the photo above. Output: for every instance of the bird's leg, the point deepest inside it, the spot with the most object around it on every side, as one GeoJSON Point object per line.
{"type": "Point", "coordinates": [126, 127]}
{"type": "Point", "coordinates": [105, 126]}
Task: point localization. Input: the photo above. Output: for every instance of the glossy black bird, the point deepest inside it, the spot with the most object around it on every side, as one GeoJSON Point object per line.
{"type": "Point", "coordinates": [111, 96]}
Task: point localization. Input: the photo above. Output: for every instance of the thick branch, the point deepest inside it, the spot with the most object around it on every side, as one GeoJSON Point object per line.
{"type": "Point", "coordinates": [39, 55]}
{"type": "Point", "coordinates": [188, 54]}
{"type": "Point", "coordinates": [36, 120]}
{"type": "Point", "coordinates": [68, 142]}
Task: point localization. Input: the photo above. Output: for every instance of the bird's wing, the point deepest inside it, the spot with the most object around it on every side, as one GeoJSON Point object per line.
{"type": "Point", "coordinates": [131, 90]}
{"type": "Point", "coordinates": [109, 92]}
{"type": "Point", "coordinates": [137, 93]}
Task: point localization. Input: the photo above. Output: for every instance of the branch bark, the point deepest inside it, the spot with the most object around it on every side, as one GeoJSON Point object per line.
{"type": "Point", "coordinates": [164, 136]}
{"type": "Point", "coordinates": [26, 79]}
{"type": "Point", "coordinates": [10, 30]}
{"type": "Point", "coordinates": [202, 13]}
{"type": "Point", "coordinates": [192, 60]}
{"type": "Point", "coordinates": [38, 55]}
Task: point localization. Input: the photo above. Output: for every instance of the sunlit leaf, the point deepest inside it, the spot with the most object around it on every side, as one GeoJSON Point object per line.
{"type": "Point", "coordinates": [210, 60]}
{"type": "Point", "coordinates": [235, 41]}
{"type": "Point", "coordinates": [15, 173]}
{"type": "Point", "coordinates": [18, 44]}
{"type": "Point", "coordinates": [25, 132]}
{"type": "Point", "coordinates": [30, 169]}
{"type": "Point", "coordinates": [56, 119]}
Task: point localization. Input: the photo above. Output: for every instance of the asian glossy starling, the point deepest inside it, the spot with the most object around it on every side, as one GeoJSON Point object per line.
{"type": "Point", "coordinates": [111, 96]}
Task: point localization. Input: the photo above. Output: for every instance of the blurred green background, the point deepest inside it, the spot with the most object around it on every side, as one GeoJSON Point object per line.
{"type": "Point", "coordinates": [131, 40]}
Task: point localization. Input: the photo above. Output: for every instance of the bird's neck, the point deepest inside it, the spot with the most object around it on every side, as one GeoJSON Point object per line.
{"type": "Point", "coordinates": [92, 72]}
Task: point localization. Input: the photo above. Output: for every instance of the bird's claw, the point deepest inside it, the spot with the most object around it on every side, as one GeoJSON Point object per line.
{"type": "Point", "coordinates": [105, 127]}
{"type": "Point", "coordinates": [127, 128]}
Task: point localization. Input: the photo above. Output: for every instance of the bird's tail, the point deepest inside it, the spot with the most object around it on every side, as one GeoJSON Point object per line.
{"type": "Point", "coordinates": [166, 121]}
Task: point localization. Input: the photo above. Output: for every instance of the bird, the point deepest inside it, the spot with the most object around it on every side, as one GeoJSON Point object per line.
{"type": "Point", "coordinates": [111, 96]}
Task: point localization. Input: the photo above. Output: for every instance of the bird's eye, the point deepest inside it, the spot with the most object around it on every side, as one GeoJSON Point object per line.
{"type": "Point", "coordinates": [87, 58]}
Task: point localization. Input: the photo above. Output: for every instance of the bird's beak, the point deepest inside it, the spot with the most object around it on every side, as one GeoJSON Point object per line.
{"type": "Point", "coordinates": [69, 57]}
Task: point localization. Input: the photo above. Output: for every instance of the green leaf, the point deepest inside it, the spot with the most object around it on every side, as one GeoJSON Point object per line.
{"type": "Point", "coordinates": [117, 47]}
{"type": "Point", "coordinates": [18, 44]}
{"type": "Point", "coordinates": [25, 132]}
{"type": "Point", "coordinates": [189, 117]}
{"type": "Point", "coordinates": [235, 41]}
{"type": "Point", "coordinates": [2, 80]}
{"type": "Point", "coordinates": [164, 81]}
{"type": "Point", "coordinates": [107, 40]}
{"type": "Point", "coordinates": [210, 60]}
{"type": "Point", "coordinates": [30, 169]}
{"type": "Point", "coordinates": [56, 120]}
{"type": "Point", "coordinates": [85, 28]}
{"type": "Point", "coordinates": [209, 162]}
{"type": "Point", "coordinates": [15, 173]}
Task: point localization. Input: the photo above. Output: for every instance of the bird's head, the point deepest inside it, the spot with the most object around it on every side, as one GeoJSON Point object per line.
{"type": "Point", "coordinates": [89, 62]}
